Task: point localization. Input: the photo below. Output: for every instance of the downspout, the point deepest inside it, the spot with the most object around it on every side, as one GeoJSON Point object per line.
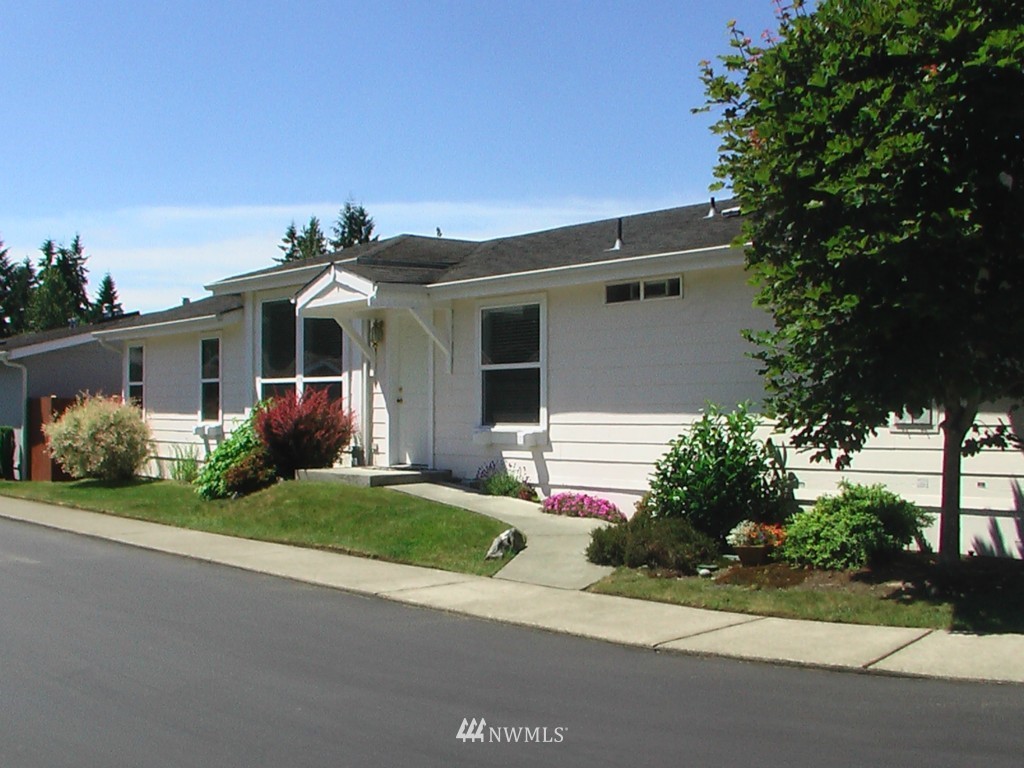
{"type": "Point", "coordinates": [23, 442]}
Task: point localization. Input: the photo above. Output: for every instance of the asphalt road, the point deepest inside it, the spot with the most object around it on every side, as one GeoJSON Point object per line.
{"type": "Point", "coordinates": [112, 656]}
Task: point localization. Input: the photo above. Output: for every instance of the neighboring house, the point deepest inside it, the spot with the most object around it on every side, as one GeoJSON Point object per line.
{"type": "Point", "coordinates": [62, 362]}
{"type": "Point", "coordinates": [575, 354]}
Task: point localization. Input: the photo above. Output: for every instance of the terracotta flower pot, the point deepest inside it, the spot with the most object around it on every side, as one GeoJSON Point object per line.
{"type": "Point", "coordinates": [753, 554]}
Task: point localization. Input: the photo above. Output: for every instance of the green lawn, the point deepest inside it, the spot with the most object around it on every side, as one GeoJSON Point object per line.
{"type": "Point", "coordinates": [984, 595]}
{"type": "Point", "coordinates": [372, 522]}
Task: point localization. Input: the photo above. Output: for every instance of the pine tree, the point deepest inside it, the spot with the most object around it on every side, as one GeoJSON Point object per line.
{"type": "Point", "coordinates": [71, 264]}
{"type": "Point", "coordinates": [20, 287]}
{"type": "Point", "coordinates": [307, 244]}
{"type": "Point", "coordinates": [106, 304]}
{"type": "Point", "coordinates": [53, 303]}
{"type": "Point", "coordinates": [354, 226]}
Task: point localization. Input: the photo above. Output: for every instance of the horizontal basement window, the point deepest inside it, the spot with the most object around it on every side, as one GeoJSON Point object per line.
{"type": "Point", "coordinates": [643, 290]}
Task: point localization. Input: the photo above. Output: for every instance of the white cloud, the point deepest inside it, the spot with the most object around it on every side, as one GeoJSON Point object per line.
{"type": "Point", "coordinates": [157, 255]}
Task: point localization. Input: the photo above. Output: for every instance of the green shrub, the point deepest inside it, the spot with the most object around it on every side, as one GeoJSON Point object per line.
{"type": "Point", "coordinates": [719, 473]}
{"type": "Point", "coordinates": [499, 479]}
{"type": "Point", "coordinates": [99, 437]}
{"type": "Point", "coordinates": [6, 453]}
{"type": "Point", "coordinates": [862, 525]}
{"type": "Point", "coordinates": [667, 543]}
{"type": "Point", "coordinates": [242, 442]}
{"type": "Point", "coordinates": [185, 467]}
{"type": "Point", "coordinates": [255, 470]}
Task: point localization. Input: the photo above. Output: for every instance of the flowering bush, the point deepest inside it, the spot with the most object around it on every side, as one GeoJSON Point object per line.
{"type": "Point", "coordinates": [582, 505]}
{"type": "Point", "coordinates": [747, 533]}
{"type": "Point", "coordinates": [100, 437]}
{"type": "Point", "coordinates": [496, 478]}
{"type": "Point", "coordinates": [302, 432]}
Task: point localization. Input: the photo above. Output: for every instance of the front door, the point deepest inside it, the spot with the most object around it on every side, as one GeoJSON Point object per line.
{"type": "Point", "coordinates": [410, 392]}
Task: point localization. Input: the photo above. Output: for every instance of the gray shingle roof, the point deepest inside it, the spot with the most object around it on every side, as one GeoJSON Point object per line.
{"type": "Point", "coordinates": [212, 305]}
{"type": "Point", "coordinates": [23, 340]}
{"type": "Point", "coordinates": [418, 260]}
{"type": "Point", "coordinates": [675, 229]}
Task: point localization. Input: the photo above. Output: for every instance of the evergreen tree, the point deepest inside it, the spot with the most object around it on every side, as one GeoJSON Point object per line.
{"type": "Point", "coordinates": [20, 287]}
{"type": "Point", "coordinates": [53, 303]}
{"type": "Point", "coordinates": [6, 274]}
{"type": "Point", "coordinates": [354, 226]}
{"type": "Point", "coordinates": [71, 264]}
{"type": "Point", "coordinates": [106, 304]}
{"type": "Point", "coordinates": [307, 244]}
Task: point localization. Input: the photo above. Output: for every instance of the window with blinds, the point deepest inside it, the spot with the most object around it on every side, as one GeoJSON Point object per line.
{"type": "Point", "coordinates": [510, 365]}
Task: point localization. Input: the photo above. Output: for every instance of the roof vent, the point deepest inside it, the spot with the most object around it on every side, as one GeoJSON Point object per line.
{"type": "Point", "coordinates": [618, 237]}
{"type": "Point", "coordinates": [185, 301]}
{"type": "Point", "coordinates": [713, 210]}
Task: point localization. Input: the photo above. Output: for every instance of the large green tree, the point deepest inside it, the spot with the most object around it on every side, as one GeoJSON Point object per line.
{"type": "Point", "coordinates": [877, 151]}
{"type": "Point", "coordinates": [308, 243]}
{"type": "Point", "coordinates": [353, 227]}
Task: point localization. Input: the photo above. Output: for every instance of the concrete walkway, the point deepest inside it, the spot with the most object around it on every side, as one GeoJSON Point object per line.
{"type": "Point", "coordinates": [555, 554]}
{"type": "Point", "coordinates": [927, 653]}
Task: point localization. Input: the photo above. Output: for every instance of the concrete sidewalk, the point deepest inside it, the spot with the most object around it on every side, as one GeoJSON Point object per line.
{"type": "Point", "coordinates": [928, 653]}
{"type": "Point", "coordinates": [555, 554]}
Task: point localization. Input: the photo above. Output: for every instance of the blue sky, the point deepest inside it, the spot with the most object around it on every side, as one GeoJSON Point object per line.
{"type": "Point", "coordinates": [180, 139]}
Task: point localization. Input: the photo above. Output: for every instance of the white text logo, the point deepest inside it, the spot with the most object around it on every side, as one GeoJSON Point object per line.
{"type": "Point", "coordinates": [476, 729]}
{"type": "Point", "coordinates": [471, 730]}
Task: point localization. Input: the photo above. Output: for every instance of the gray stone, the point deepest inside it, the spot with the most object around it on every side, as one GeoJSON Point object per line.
{"type": "Point", "coordinates": [507, 541]}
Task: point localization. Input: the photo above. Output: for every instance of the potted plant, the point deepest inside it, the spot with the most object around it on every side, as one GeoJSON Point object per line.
{"type": "Point", "coordinates": [754, 542]}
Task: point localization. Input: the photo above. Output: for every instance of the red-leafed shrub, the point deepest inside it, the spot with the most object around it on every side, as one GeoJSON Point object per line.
{"type": "Point", "coordinates": [304, 432]}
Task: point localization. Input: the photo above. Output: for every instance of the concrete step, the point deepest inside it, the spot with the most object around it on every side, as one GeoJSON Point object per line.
{"type": "Point", "coordinates": [373, 477]}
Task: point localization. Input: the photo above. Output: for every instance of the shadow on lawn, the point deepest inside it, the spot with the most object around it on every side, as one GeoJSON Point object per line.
{"type": "Point", "coordinates": [986, 593]}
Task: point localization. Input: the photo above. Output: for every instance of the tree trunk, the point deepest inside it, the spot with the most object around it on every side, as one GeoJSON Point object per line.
{"type": "Point", "coordinates": [959, 417]}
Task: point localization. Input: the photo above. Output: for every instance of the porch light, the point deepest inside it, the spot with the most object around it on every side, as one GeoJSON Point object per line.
{"type": "Point", "coordinates": [376, 333]}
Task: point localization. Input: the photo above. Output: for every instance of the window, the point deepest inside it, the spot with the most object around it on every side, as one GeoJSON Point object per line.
{"type": "Point", "coordinates": [925, 419]}
{"type": "Point", "coordinates": [321, 349]}
{"type": "Point", "coordinates": [278, 351]}
{"type": "Point", "coordinates": [209, 380]}
{"type": "Point", "coordinates": [135, 388]}
{"type": "Point", "coordinates": [637, 290]}
{"type": "Point", "coordinates": [510, 364]}
{"type": "Point", "coordinates": [321, 346]}
{"type": "Point", "coordinates": [616, 294]}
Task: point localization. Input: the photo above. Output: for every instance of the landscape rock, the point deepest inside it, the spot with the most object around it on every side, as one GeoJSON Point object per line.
{"type": "Point", "coordinates": [511, 540]}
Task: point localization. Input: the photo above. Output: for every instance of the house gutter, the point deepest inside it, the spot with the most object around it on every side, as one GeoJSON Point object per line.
{"type": "Point", "coordinates": [5, 359]}
{"type": "Point", "coordinates": [586, 265]}
{"type": "Point", "coordinates": [199, 323]}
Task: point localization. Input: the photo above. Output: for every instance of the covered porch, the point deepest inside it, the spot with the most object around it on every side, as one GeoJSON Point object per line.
{"type": "Point", "coordinates": [401, 338]}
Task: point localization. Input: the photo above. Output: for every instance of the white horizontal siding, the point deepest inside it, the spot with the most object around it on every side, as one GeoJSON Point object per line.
{"type": "Point", "coordinates": [625, 380]}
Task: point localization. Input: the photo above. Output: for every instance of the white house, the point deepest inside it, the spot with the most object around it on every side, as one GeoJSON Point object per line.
{"type": "Point", "coordinates": [575, 354]}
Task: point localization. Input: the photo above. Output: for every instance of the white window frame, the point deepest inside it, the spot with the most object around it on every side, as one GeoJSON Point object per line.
{"type": "Point", "coordinates": [299, 380]}
{"type": "Point", "coordinates": [905, 422]}
{"type": "Point", "coordinates": [643, 283]}
{"type": "Point", "coordinates": [300, 362]}
{"type": "Point", "coordinates": [542, 365]}
{"type": "Point", "coordinates": [128, 381]}
{"type": "Point", "coordinates": [218, 380]}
